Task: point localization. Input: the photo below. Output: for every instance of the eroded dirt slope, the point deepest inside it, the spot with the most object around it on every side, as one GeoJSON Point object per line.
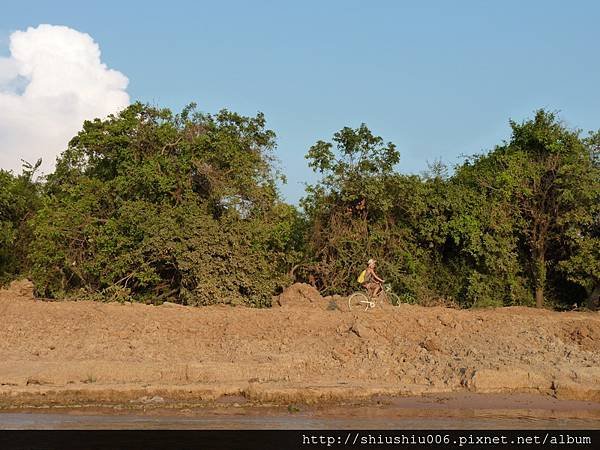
{"type": "Point", "coordinates": [303, 349]}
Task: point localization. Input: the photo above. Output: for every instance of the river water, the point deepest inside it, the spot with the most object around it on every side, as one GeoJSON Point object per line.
{"type": "Point", "coordinates": [46, 421]}
{"type": "Point", "coordinates": [460, 411]}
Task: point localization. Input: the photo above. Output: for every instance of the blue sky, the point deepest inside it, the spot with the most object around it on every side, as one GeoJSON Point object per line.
{"type": "Point", "coordinates": [438, 78]}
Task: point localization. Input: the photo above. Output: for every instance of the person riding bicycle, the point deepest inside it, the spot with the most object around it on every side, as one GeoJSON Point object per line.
{"type": "Point", "coordinates": [372, 283]}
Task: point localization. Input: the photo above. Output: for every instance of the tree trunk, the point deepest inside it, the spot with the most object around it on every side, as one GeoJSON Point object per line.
{"type": "Point", "coordinates": [540, 278]}
{"type": "Point", "coordinates": [539, 297]}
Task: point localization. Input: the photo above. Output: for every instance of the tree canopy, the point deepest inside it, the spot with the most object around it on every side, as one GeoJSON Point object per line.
{"type": "Point", "coordinates": [150, 206]}
{"type": "Point", "coordinates": [502, 230]}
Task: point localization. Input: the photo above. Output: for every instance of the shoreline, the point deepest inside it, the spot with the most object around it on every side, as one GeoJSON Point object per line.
{"type": "Point", "coordinates": [61, 354]}
{"type": "Point", "coordinates": [259, 395]}
{"type": "Point", "coordinates": [447, 411]}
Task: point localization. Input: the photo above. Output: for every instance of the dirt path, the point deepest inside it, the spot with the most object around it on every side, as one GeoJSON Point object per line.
{"type": "Point", "coordinates": [71, 353]}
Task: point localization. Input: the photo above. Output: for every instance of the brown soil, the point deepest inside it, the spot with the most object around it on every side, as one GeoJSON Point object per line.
{"type": "Point", "coordinates": [308, 350]}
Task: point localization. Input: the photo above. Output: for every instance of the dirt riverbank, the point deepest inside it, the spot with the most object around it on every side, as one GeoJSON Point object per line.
{"type": "Point", "coordinates": [305, 351]}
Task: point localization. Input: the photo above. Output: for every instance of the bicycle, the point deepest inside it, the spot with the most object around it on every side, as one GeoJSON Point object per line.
{"type": "Point", "coordinates": [359, 298]}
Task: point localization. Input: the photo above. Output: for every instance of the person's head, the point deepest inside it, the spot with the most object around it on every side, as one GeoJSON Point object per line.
{"type": "Point", "coordinates": [371, 262]}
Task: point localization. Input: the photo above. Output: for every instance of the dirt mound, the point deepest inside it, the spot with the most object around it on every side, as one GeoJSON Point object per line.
{"type": "Point", "coordinates": [19, 288]}
{"type": "Point", "coordinates": [76, 352]}
{"type": "Point", "coordinates": [299, 295]}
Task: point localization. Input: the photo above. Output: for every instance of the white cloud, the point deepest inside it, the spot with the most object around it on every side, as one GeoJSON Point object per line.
{"type": "Point", "coordinates": [52, 81]}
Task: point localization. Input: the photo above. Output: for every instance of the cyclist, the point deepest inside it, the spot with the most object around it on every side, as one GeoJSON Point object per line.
{"type": "Point", "coordinates": [372, 282]}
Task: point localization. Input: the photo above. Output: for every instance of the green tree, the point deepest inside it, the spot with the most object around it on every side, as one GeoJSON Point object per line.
{"type": "Point", "coordinates": [546, 180]}
{"type": "Point", "coordinates": [348, 210]}
{"type": "Point", "coordinates": [152, 206]}
{"type": "Point", "coordinates": [19, 200]}
{"type": "Point", "coordinates": [505, 229]}
{"type": "Point", "coordinates": [579, 249]}
{"type": "Point", "coordinates": [481, 239]}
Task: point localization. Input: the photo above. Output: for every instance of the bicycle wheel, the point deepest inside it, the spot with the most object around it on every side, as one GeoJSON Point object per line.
{"type": "Point", "coordinates": [393, 299]}
{"type": "Point", "coordinates": [357, 301]}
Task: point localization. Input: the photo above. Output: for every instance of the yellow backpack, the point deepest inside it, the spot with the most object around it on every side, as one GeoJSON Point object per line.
{"type": "Point", "coordinates": [361, 277]}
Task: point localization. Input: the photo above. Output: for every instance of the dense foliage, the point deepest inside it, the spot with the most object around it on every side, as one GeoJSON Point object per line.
{"type": "Point", "coordinates": [151, 206]}
{"type": "Point", "coordinates": [19, 200]}
{"type": "Point", "coordinates": [516, 226]}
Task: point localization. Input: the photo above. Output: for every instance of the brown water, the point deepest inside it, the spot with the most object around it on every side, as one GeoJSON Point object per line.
{"type": "Point", "coordinates": [448, 411]}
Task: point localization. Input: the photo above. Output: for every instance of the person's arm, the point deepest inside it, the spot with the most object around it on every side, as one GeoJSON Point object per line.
{"type": "Point", "coordinates": [377, 278]}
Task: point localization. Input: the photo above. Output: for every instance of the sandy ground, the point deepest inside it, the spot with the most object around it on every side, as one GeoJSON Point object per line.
{"type": "Point", "coordinates": [304, 352]}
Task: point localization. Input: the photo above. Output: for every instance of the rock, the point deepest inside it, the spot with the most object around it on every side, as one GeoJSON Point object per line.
{"type": "Point", "coordinates": [445, 320]}
{"type": "Point", "coordinates": [332, 306]}
{"type": "Point", "coordinates": [334, 302]}
{"type": "Point", "coordinates": [339, 356]}
{"type": "Point", "coordinates": [149, 400]}
{"type": "Point", "coordinates": [360, 330]}
{"type": "Point", "coordinates": [379, 353]}
{"type": "Point", "coordinates": [568, 389]}
{"type": "Point", "coordinates": [172, 305]}
{"type": "Point", "coordinates": [508, 379]}
{"type": "Point", "coordinates": [432, 344]}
